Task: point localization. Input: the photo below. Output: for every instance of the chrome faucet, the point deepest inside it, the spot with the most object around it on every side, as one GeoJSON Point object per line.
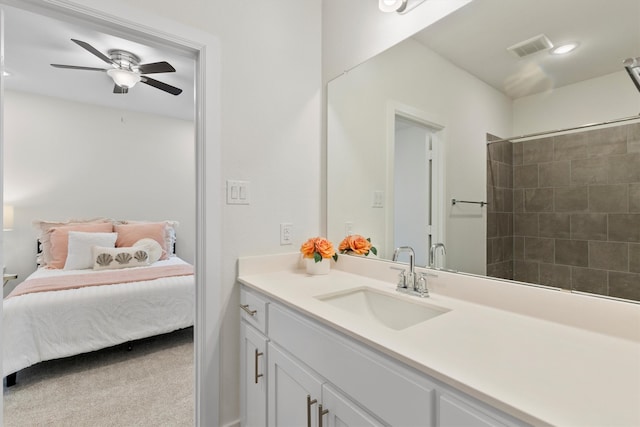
{"type": "Point", "coordinates": [432, 253]}
{"type": "Point", "coordinates": [409, 281]}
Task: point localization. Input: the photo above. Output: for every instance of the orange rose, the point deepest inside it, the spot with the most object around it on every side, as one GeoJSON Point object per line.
{"type": "Point", "coordinates": [308, 248]}
{"type": "Point", "coordinates": [318, 248]}
{"type": "Point", "coordinates": [324, 247]}
{"type": "Point", "coordinates": [356, 244]}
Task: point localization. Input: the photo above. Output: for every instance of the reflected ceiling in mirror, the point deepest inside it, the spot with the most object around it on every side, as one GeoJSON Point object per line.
{"type": "Point", "coordinates": [458, 80]}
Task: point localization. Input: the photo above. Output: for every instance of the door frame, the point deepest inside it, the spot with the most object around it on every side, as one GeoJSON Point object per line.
{"type": "Point", "coordinates": [437, 127]}
{"type": "Point", "coordinates": [128, 21]}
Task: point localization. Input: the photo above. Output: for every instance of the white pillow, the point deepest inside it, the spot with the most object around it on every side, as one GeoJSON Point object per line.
{"type": "Point", "coordinates": [79, 255]}
{"type": "Point", "coordinates": [151, 246]}
{"type": "Point", "coordinates": [111, 258]}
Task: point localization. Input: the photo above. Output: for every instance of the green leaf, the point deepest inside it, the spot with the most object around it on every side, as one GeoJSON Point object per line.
{"type": "Point", "coordinates": [369, 239]}
{"type": "Point", "coordinates": [374, 250]}
{"type": "Point", "coordinates": [335, 257]}
{"type": "Point", "coordinates": [317, 257]}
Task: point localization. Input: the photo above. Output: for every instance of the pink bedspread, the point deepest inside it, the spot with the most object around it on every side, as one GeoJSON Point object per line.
{"type": "Point", "coordinates": [107, 277]}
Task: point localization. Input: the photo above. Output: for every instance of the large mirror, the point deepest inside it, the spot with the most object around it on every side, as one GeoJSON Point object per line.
{"type": "Point", "coordinates": [421, 146]}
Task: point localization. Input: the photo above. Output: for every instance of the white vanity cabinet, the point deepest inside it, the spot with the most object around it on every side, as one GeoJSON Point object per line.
{"type": "Point", "coordinates": [316, 376]}
{"type": "Point", "coordinates": [300, 397]}
{"type": "Point", "coordinates": [253, 353]}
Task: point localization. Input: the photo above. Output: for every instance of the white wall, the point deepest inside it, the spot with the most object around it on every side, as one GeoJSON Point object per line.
{"type": "Point", "coordinates": [65, 160]}
{"type": "Point", "coordinates": [604, 98]}
{"type": "Point", "coordinates": [467, 108]}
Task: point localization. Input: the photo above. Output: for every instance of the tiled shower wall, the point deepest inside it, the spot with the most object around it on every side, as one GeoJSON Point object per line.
{"type": "Point", "coordinates": [573, 220]}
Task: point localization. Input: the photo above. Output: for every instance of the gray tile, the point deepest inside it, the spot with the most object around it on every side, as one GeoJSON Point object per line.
{"type": "Point", "coordinates": [624, 169]}
{"type": "Point", "coordinates": [554, 174]}
{"type": "Point", "coordinates": [504, 221]}
{"type": "Point", "coordinates": [537, 151]}
{"type": "Point", "coordinates": [508, 156]}
{"type": "Point", "coordinates": [507, 248]}
{"type": "Point", "coordinates": [633, 138]}
{"type": "Point", "coordinates": [634, 197]}
{"type": "Point", "coordinates": [538, 200]}
{"type": "Point", "coordinates": [497, 200]}
{"type": "Point", "coordinates": [607, 141]}
{"type": "Point", "coordinates": [609, 256]}
{"type": "Point", "coordinates": [494, 249]}
{"type": "Point", "coordinates": [505, 175]}
{"type": "Point", "coordinates": [624, 285]}
{"type": "Point", "coordinates": [537, 249]}
{"type": "Point", "coordinates": [492, 225]}
{"type": "Point", "coordinates": [525, 176]}
{"type": "Point", "coordinates": [501, 270]}
{"type": "Point", "coordinates": [518, 248]}
{"type": "Point", "coordinates": [526, 271]}
{"type": "Point", "coordinates": [518, 200]}
{"type": "Point", "coordinates": [570, 146]}
{"type": "Point", "coordinates": [558, 276]}
{"type": "Point", "coordinates": [572, 252]}
{"type": "Point", "coordinates": [624, 228]}
{"type": "Point", "coordinates": [555, 225]}
{"type": "Point", "coordinates": [589, 280]}
{"type": "Point", "coordinates": [571, 199]}
{"type": "Point", "coordinates": [525, 224]}
{"type": "Point", "coordinates": [507, 198]}
{"type": "Point", "coordinates": [494, 152]}
{"type": "Point", "coordinates": [491, 207]}
{"type": "Point", "coordinates": [590, 171]}
{"type": "Point", "coordinates": [609, 198]}
{"type": "Point", "coordinates": [589, 226]}
{"type": "Point", "coordinates": [517, 153]}
{"type": "Point", "coordinates": [634, 257]}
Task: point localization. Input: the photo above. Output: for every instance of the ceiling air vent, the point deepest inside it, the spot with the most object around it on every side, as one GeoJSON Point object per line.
{"type": "Point", "coordinates": [529, 47]}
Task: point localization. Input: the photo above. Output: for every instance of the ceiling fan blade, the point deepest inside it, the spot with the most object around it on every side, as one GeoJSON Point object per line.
{"type": "Point", "coordinates": [75, 67]}
{"type": "Point", "coordinates": [93, 50]}
{"type": "Point", "coordinates": [119, 89]}
{"type": "Point", "coordinates": [156, 67]}
{"type": "Point", "coordinates": [162, 86]}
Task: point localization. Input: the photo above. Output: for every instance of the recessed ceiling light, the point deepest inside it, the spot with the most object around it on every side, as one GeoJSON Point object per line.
{"type": "Point", "coordinates": [6, 73]}
{"type": "Point", "coordinates": [564, 48]}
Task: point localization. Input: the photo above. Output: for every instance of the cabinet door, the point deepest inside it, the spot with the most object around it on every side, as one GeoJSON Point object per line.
{"type": "Point", "coordinates": [294, 392]}
{"type": "Point", "coordinates": [341, 412]}
{"type": "Point", "coordinates": [454, 412]}
{"type": "Point", "coordinates": [253, 392]}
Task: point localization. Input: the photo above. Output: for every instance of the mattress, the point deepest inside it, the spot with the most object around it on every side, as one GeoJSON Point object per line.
{"type": "Point", "coordinates": [49, 325]}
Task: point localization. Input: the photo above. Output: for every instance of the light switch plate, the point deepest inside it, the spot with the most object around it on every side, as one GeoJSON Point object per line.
{"type": "Point", "coordinates": [238, 192]}
{"type": "Point", "coordinates": [286, 233]}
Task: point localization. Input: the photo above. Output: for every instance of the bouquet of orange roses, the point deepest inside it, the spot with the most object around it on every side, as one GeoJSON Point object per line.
{"type": "Point", "coordinates": [357, 244]}
{"type": "Point", "coordinates": [318, 248]}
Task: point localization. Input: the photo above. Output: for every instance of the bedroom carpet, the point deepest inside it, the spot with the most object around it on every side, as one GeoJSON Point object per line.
{"type": "Point", "coordinates": [151, 385]}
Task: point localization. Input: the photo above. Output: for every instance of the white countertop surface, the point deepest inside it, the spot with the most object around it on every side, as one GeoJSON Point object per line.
{"type": "Point", "coordinates": [543, 372]}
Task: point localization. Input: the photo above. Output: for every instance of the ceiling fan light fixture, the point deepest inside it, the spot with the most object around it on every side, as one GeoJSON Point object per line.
{"type": "Point", "coordinates": [124, 78]}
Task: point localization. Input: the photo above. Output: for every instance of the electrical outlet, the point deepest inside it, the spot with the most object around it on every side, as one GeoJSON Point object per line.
{"type": "Point", "coordinates": [286, 233]}
{"type": "Point", "coordinates": [378, 199]}
{"type": "Point", "coordinates": [348, 228]}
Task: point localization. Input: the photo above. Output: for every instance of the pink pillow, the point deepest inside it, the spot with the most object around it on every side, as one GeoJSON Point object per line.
{"type": "Point", "coordinates": [59, 240]}
{"type": "Point", "coordinates": [129, 234]}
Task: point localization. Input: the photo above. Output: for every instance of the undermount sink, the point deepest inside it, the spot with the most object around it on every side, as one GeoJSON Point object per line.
{"type": "Point", "coordinates": [395, 312]}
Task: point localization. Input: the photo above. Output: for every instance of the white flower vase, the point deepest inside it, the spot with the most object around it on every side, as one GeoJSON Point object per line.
{"type": "Point", "coordinates": [317, 268]}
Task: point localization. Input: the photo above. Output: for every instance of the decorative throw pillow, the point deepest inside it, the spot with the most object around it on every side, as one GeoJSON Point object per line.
{"type": "Point", "coordinates": [59, 240]}
{"type": "Point", "coordinates": [113, 258]}
{"type": "Point", "coordinates": [43, 234]}
{"type": "Point", "coordinates": [129, 234]}
{"type": "Point", "coordinates": [79, 253]}
{"type": "Point", "coordinates": [151, 246]}
{"type": "Point", "coordinates": [169, 233]}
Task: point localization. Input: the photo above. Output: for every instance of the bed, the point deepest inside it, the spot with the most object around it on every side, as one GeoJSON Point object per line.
{"type": "Point", "coordinates": [61, 312]}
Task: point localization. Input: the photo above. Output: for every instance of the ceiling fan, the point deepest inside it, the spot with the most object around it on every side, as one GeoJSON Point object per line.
{"type": "Point", "coordinates": [127, 70]}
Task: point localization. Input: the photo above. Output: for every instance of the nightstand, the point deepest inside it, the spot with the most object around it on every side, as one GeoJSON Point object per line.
{"type": "Point", "coordinates": [8, 276]}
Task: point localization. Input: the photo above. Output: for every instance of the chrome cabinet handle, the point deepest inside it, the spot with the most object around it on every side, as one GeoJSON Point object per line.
{"type": "Point", "coordinates": [256, 375]}
{"type": "Point", "coordinates": [245, 307]}
{"type": "Point", "coordinates": [309, 403]}
{"type": "Point", "coordinates": [321, 413]}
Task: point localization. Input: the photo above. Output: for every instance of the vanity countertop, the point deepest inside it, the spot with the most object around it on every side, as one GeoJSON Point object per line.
{"type": "Point", "coordinates": [540, 371]}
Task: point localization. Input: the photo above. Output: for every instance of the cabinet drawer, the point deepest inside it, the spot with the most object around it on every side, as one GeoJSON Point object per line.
{"type": "Point", "coordinates": [253, 309]}
{"type": "Point", "coordinates": [396, 394]}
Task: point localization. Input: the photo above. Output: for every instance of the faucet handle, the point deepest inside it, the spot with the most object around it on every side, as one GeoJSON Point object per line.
{"type": "Point", "coordinates": [402, 277]}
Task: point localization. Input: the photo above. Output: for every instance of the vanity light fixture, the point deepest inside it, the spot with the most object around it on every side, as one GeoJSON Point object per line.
{"type": "Point", "coordinates": [399, 6]}
{"type": "Point", "coordinates": [632, 65]}
{"type": "Point", "coordinates": [564, 48]}
{"type": "Point", "coordinates": [124, 78]}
